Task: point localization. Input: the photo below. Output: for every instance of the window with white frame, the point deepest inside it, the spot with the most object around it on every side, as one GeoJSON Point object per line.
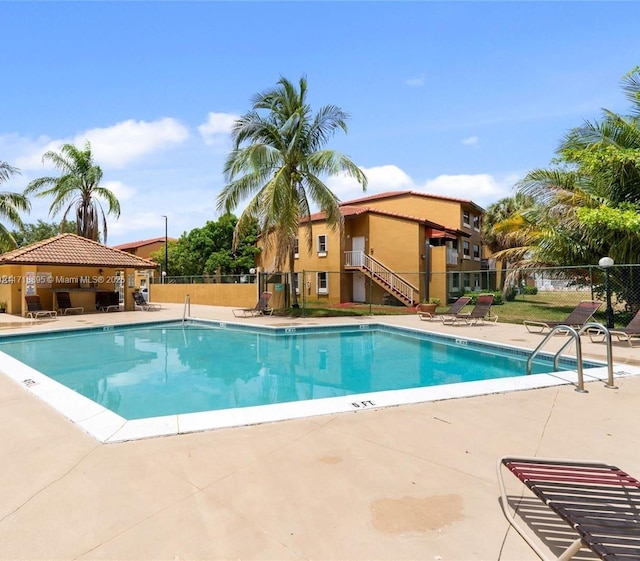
{"type": "Point", "coordinates": [296, 248]}
{"type": "Point", "coordinates": [322, 245]}
{"type": "Point", "coordinates": [465, 250]}
{"type": "Point", "coordinates": [296, 282]}
{"type": "Point", "coordinates": [322, 282]}
{"type": "Point", "coordinates": [476, 223]}
{"type": "Point", "coordinates": [476, 252]}
{"type": "Point", "coordinates": [476, 281]}
{"type": "Point", "coordinates": [466, 218]}
{"type": "Point", "coordinates": [466, 279]}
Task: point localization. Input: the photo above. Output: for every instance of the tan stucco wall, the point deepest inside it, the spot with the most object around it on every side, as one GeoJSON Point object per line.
{"type": "Point", "coordinates": [145, 251]}
{"type": "Point", "coordinates": [236, 295]}
{"type": "Point", "coordinates": [438, 281]}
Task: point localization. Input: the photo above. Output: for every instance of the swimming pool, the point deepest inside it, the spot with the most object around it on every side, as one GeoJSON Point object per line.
{"type": "Point", "coordinates": [164, 378]}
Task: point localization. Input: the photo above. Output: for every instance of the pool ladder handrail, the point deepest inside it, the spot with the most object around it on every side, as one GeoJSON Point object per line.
{"type": "Point", "coordinates": [187, 308]}
{"type": "Point", "coordinates": [575, 336]}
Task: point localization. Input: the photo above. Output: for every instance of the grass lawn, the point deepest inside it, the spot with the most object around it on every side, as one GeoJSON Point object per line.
{"type": "Point", "coordinates": [551, 306]}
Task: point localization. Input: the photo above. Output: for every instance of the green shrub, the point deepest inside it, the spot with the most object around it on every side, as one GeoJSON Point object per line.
{"type": "Point", "coordinates": [497, 297]}
{"type": "Point", "coordinates": [530, 290]}
{"type": "Point", "coordinates": [510, 293]}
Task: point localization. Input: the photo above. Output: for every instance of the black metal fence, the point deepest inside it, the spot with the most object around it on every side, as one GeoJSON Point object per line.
{"type": "Point", "coordinates": [541, 292]}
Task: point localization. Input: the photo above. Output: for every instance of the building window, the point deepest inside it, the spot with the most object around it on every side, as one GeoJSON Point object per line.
{"type": "Point", "coordinates": [476, 252]}
{"type": "Point", "coordinates": [466, 219]}
{"type": "Point", "coordinates": [467, 281]}
{"type": "Point", "coordinates": [476, 223]}
{"type": "Point", "coordinates": [454, 244]}
{"type": "Point", "coordinates": [465, 250]}
{"type": "Point", "coordinates": [322, 282]}
{"type": "Point", "coordinates": [455, 282]}
{"type": "Point", "coordinates": [322, 245]}
{"type": "Point", "coordinates": [476, 281]}
{"type": "Point", "coordinates": [296, 282]}
{"type": "Point", "coordinates": [296, 248]}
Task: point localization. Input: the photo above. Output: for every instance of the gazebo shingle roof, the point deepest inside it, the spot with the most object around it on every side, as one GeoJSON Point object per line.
{"type": "Point", "coordinates": [70, 249]}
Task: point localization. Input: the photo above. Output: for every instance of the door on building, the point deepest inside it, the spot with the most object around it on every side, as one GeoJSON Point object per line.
{"type": "Point", "coordinates": [357, 246]}
{"type": "Point", "coordinates": [359, 280]}
{"type": "Point", "coordinates": [359, 287]}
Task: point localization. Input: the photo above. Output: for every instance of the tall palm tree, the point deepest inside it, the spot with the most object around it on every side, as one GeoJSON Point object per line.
{"type": "Point", "coordinates": [277, 160]}
{"type": "Point", "coordinates": [588, 204]}
{"type": "Point", "coordinates": [78, 187]}
{"type": "Point", "coordinates": [11, 204]}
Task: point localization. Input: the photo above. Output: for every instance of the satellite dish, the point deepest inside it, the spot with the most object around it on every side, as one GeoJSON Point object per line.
{"type": "Point", "coordinates": [252, 271]}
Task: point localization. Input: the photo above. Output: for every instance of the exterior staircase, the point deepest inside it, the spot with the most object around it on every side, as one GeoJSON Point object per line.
{"type": "Point", "coordinates": [394, 284]}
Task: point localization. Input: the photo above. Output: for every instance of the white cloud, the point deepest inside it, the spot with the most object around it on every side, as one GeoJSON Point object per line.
{"type": "Point", "coordinates": [470, 141]}
{"type": "Point", "coordinates": [380, 178]}
{"type": "Point", "coordinates": [119, 189]}
{"type": "Point", "coordinates": [482, 188]}
{"type": "Point", "coordinates": [416, 81]}
{"type": "Point", "coordinates": [120, 144]}
{"type": "Point", "coordinates": [113, 147]}
{"type": "Point", "coordinates": [217, 128]}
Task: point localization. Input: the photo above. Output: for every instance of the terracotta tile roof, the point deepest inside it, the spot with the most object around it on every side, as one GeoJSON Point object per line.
{"type": "Point", "coordinates": [349, 211]}
{"type": "Point", "coordinates": [141, 243]}
{"type": "Point", "coordinates": [393, 194]}
{"type": "Point", "coordinates": [70, 249]}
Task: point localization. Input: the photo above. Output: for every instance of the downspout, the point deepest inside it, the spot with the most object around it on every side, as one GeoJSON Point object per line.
{"type": "Point", "coordinates": [427, 270]}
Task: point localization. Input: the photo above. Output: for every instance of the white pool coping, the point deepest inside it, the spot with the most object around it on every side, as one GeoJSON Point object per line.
{"type": "Point", "coordinates": [107, 427]}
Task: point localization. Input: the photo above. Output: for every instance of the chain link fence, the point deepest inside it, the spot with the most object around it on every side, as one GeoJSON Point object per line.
{"type": "Point", "coordinates": [549, 293]}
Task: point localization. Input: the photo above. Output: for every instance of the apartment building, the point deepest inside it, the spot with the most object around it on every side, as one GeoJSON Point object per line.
{"type": "Point", "coordinates": [395, 247]}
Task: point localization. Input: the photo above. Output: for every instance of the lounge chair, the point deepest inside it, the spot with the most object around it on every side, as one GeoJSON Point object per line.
{"type": "Point", "coordinates": [577, 318]}
{"type": "Point", "coordinates": [107, 301]}
{"type": "Point", "coordinates": [35, 309]}
{"type": "Point", "coordinates": [481, 312]}
{"type": "Point", "coordinates": [598, 501]}
{"type": "Point", "coordinates": [64, 304]}
{"type": "Point", "coordinates": [261, 308]}
{"type": "Point", "coordinates": [141, 304]}
{"type": "Point", "coordinates": [454, 309]}
{"type": "Point", "coordinates": [632, 331]}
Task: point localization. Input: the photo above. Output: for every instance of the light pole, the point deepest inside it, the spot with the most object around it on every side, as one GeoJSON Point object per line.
{"type": "Point", "coordinates": [166, 250]}
{"type": "Point", "coordinates": [606, 263]}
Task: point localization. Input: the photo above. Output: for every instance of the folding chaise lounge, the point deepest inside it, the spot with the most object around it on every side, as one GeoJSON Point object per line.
{"type": "Point", "coordinates": [577, 318]}
{"type": "Point", "coordinates": [600, 502]}
{"type": "Point", "coordinates": [454, 309]}
{"type": "Point", "coordinates": [35, 309]}
{"type": "Point", "coordinates": [107, 301]}
{"type": "Point", "coordinates": [64, 304]}
{"type": "Point", "coordinates": [481, 312]}
{"type": "Point", "coordinates": [261, 308]}
{"type": "Point", "coordinates": [632, 331]}
{"type": "Point", "coordinates": [141, 304]}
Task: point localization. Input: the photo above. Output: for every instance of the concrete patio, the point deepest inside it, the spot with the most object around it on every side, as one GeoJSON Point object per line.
{"type": "Point", "coordinates": [407, 482]}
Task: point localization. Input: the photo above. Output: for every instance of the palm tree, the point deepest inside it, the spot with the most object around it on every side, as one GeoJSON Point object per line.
{"type": "Point", "coordinates": [78, 187]}
{"type": "Point", "coordinates": [11, 204]}
{"type": "Point", "coordinates": [588, 204]}
{"type": "Point", "coordinates": [277, 160]}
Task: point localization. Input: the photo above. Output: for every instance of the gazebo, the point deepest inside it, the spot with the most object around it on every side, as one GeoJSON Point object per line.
{"type": "Point", "coordinates": [68, 263]}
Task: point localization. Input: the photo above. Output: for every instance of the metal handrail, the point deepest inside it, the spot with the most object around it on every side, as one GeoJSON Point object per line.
{"type": "Point", "coordinates": [607, 335]}
{"type": "Point", "coordinates": [576, 338]}
{"type": "Point", "coordinates": [187, 308]}
{"type": "Point", "coordinates": [380, 271]}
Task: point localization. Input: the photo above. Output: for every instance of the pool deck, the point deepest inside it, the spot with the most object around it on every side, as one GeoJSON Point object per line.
{"type": "Point", "coordinates": [407, 482]}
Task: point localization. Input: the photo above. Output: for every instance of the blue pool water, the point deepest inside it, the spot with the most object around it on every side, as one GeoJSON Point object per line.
{"type": "Point", "coordinates": [165, 369]}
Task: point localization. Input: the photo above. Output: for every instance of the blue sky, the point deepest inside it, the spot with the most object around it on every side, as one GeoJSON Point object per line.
{"type": "Point", "coordinates": [455, 98]}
